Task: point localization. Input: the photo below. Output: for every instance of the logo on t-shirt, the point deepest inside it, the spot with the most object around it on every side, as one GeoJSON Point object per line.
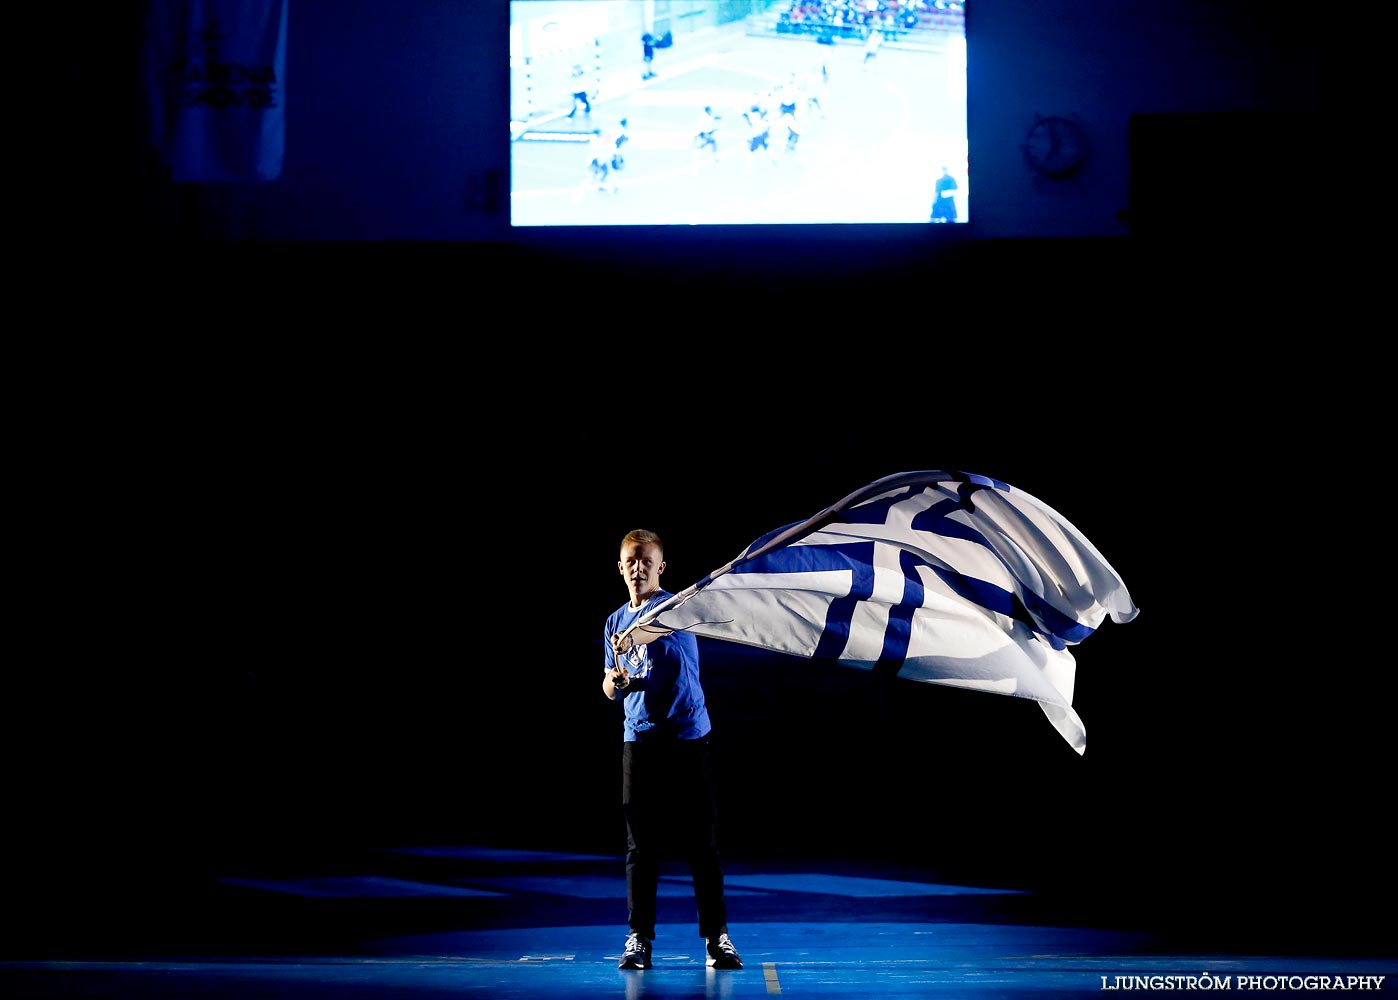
{"type": "Point", "coordinates": [638, 660]}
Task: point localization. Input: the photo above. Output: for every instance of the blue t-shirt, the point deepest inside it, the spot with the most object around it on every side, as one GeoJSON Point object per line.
{"type": "Point", "coordinates": [665, 698]}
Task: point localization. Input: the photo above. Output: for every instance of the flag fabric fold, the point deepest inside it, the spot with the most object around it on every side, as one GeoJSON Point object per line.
{"type": "Point", "coordinates": [942, 577]}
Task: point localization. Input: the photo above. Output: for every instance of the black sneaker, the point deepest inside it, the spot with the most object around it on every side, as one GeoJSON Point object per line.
{"type": "Point", "coordinates": [722, 954]}
{"type": "Point", "coordinates": [636, 955]}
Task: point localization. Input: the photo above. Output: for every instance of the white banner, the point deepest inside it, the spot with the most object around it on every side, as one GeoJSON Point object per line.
{"type": "Point", "coordinates": [217, 87]}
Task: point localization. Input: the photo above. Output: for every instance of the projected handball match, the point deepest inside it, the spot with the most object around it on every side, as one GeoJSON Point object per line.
{"type": "Point", "coordinates": [714, 112]}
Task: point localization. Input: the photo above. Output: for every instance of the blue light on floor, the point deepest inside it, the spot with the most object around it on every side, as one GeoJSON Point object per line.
{"type": "Point", "coordinates": [862, 888]}
{"type": "Point", "coordinates": [354, 887]}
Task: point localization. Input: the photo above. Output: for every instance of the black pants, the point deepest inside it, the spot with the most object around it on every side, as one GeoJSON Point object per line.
{"type": "Point", "coordinates": [669, 797]}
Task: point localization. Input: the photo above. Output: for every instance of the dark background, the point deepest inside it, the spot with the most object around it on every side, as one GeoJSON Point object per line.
{"type": "Point", "coordinates": [275, 627]}
{"type": "Point", "coordinates": [327, 525]}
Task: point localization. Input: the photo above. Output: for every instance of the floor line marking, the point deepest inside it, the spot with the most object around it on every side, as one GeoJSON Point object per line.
{"type": "Point", "coordinates": [769, 973]}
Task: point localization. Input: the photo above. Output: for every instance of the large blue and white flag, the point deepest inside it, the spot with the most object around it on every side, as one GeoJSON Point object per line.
{"type": "Point", "coordinates": [943, 577]}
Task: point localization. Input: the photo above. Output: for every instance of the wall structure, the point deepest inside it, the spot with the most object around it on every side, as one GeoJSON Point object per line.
{"type": "Point", "coordinates": [396, 115]}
